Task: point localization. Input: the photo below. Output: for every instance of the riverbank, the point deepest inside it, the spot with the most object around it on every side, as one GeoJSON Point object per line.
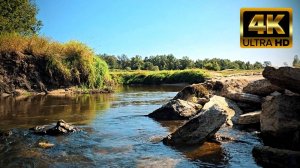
{"type": "Point", "coordinates": [188, 76]}
{"type": "Point", "coordinates": [37, 64]}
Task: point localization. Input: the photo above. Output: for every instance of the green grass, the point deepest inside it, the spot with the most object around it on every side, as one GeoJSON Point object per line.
{"type": "Point", "coordinates": [172, 76]}
{"type": "Point", "coordinates": [159, 77]}
{"type": "Point", "coordinates": [72, 62]}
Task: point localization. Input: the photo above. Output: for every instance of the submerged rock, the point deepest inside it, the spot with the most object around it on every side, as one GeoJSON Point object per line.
{"type": "Point", "coordinates": [280, 122]}
{"type": "Point", "coordinates": [176, 110]}
{"type": "Point", "coordinates": [5, 133]}
{"type": "Point", "coordinates": [284, 77]}
{"type": "Point", "coordinates": [250, 118]}
{"type": "Point", "coordinates": [61, 127]}
{"type": "Point", "coordinates": [196, 93]}
{"type": "Point", "coordinates": [200, 128]}
{"type": "Point", "coordinates": [45, 145]}
{"type": "Point", "coordinates": [261, 87]}
{"type": "Point", "coordinates": [272, 157]}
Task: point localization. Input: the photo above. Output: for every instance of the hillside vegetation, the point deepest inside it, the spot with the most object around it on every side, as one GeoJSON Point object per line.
{"type": "Point", "coordinates": [160, 77]}
{"type": "Point", "coordinates": [38, 63]}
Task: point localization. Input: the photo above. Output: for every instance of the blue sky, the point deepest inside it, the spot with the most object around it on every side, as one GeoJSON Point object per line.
{"type": "Point", "coordinates": [195, 28]}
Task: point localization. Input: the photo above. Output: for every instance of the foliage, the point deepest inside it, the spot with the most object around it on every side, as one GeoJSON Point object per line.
{"type": "Point", "coordinates": [170, 62]}
{"type": "Point", "coordinates": [19, 16]}
{"type": "Point", "coordinates": [72, 62]}
{"type": "Point", "coordinates": [159, 77]}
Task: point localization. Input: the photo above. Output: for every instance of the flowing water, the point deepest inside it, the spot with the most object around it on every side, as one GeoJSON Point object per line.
{"type": "Point", "coordinates": [116, 133]}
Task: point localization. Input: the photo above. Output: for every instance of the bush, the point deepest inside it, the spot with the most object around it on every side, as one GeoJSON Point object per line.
{"type": "Point", "coordinates": [160, 77]}
{"type": "Point", "coordinates": [74, 62]}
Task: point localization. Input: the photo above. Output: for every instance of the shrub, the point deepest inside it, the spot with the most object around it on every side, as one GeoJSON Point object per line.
{"type": "Point", "coordinates": [160, 77]}
{"type": "Point", "coordinates": [74, 62]}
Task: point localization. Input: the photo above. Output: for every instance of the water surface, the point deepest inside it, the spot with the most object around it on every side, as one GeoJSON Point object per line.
{"type": "Point", "coordinates": [116, 133]}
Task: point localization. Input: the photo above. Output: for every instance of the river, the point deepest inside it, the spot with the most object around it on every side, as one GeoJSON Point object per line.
{"type": "Point", "coordinates": [116, 133]}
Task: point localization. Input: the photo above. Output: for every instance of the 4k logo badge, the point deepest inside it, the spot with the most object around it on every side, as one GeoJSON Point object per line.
{"type": "Point", "coordinates": [266, 28]}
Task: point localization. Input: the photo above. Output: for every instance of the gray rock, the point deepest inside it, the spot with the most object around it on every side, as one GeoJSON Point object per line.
{"type": "Point", "coordinates": [250, 118]}
{"type": "Point", "coordinates": [284, 77]}
{"type": "Point", "coordinates": [280, 122]}
{"type": "Point", "coordinates": [193, 93]}
{"type": "Point", "coordinates": [272, 157]}
{"type": "Point", "coordinates": [244, 97]}
{"type": "Point", "coordinates": [61, 128]}
{"type": "Point", "coordinates": [233, 86]}
{"type": "Point", "coordinates": [176, 110]}
{"type": "Point", "coordinates": [200, 128]}
{"type": "Point", "coordinates": [228, 106]}
{"type": "Point", "coordinates": [261, 87]}
{"type": "Point", "coordinates": [233, 89]}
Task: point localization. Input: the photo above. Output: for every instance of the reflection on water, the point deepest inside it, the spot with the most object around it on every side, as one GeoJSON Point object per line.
{"type": "Point", "coordinates": [39, 110]}
{"type": "Point", "coordinates": [115, 133]}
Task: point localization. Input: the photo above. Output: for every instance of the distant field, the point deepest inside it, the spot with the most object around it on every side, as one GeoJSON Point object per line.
{"type": "Point", "coordinates": [172, 76]}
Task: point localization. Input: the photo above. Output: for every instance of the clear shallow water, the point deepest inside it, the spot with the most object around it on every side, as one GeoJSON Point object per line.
{"type": "Point", "coordinates": [116, 133]}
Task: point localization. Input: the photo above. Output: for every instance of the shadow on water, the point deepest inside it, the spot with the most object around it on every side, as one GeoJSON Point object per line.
{"type": "Point", "coordinates": [28, 111]}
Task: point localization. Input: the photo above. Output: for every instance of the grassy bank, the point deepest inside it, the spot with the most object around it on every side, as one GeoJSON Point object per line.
{"type": "Point", "coordinates": [159, 77]}
{"type": "Point", "coordinates": [173, 76]}
{"type": "Point", "coordinates": [40, 60]}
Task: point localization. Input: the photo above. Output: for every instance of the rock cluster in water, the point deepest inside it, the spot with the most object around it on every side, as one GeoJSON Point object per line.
{"type": "Point", "coordinates": [61, 128]}
{"type": "Point", "coordinates": [273, 104]}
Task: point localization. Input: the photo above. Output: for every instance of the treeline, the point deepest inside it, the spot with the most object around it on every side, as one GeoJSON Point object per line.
{"type": "Point", "coordinates": [170, 62]}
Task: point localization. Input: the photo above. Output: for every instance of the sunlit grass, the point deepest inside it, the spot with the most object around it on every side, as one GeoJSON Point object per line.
{"type": "Point", "coordinates": [73, 61]}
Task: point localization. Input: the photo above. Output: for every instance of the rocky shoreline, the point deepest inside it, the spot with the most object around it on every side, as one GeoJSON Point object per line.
{"type": "Point", "coordinates": [270, 104]}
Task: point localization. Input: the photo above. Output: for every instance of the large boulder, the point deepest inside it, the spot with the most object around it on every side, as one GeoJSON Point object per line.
{"type": "Point", "coordinates": [249, 118]}
{"type": "Point", "coordinates": [200, 128]}
{"type": "Point", "coordinates": [261, 87]}
{"type": "Point", "coordinates": [61, 128]}
{"type": "Point", "coordinates": [228, 106]}
{"type": "Point", "coordinates": [272, 157]}
{"type": "Point", "coordinates": [280, 121]}
{"type": "Point", "coordinates": [284, 77]}
{"type": "Point", "coordinates": [233, 86]}
{"type": "Point", "coordinates": [233, 89]}
{"type": "Point", "coordinates": [244, 97]}
{"type": "Point", "coordinates": [176, 110]}
{"type": "Point", "coordinates": [196, 93]}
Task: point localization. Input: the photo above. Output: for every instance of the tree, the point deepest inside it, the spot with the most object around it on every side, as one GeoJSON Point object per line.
{"type": "Point", "coordinates": [19, 16]}
{"type": "Point", "coordinates": [148, 66]}
{"type": "Point", "coordinates": [136, 62]}
{"type": "Point", "coordinates": [123, 61]}
{"type": "Point", "coordinates": [186, 63]}
{"type": "Point", "coordinates": [296, 62]}
{"type": "Point", "coordinates": [267, 63]}
{"type": "Point", "coordinates": [111, 60]}
{"type": "Point", "coordinates": [258, 65]}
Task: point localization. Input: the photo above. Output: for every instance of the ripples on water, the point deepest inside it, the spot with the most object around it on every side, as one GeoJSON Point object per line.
{"type": "Point", "coordinates": [116, 133]}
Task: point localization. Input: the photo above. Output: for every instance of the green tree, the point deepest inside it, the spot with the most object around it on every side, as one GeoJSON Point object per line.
{"type": "Point", "coordinates": [111, 60]}
{"type": "Point", "coordinates": [258, 65]}
{"type": "Point", "coordinates": [186, 62]}
{"type": "Point", "coordinates": [19, 16]}
{"type": "Point", "coordinates": [136, 62]}
{"type": "Point", "coordinates": [148, 66]}
{"type": "Point", "coordinates": [123, 61]}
